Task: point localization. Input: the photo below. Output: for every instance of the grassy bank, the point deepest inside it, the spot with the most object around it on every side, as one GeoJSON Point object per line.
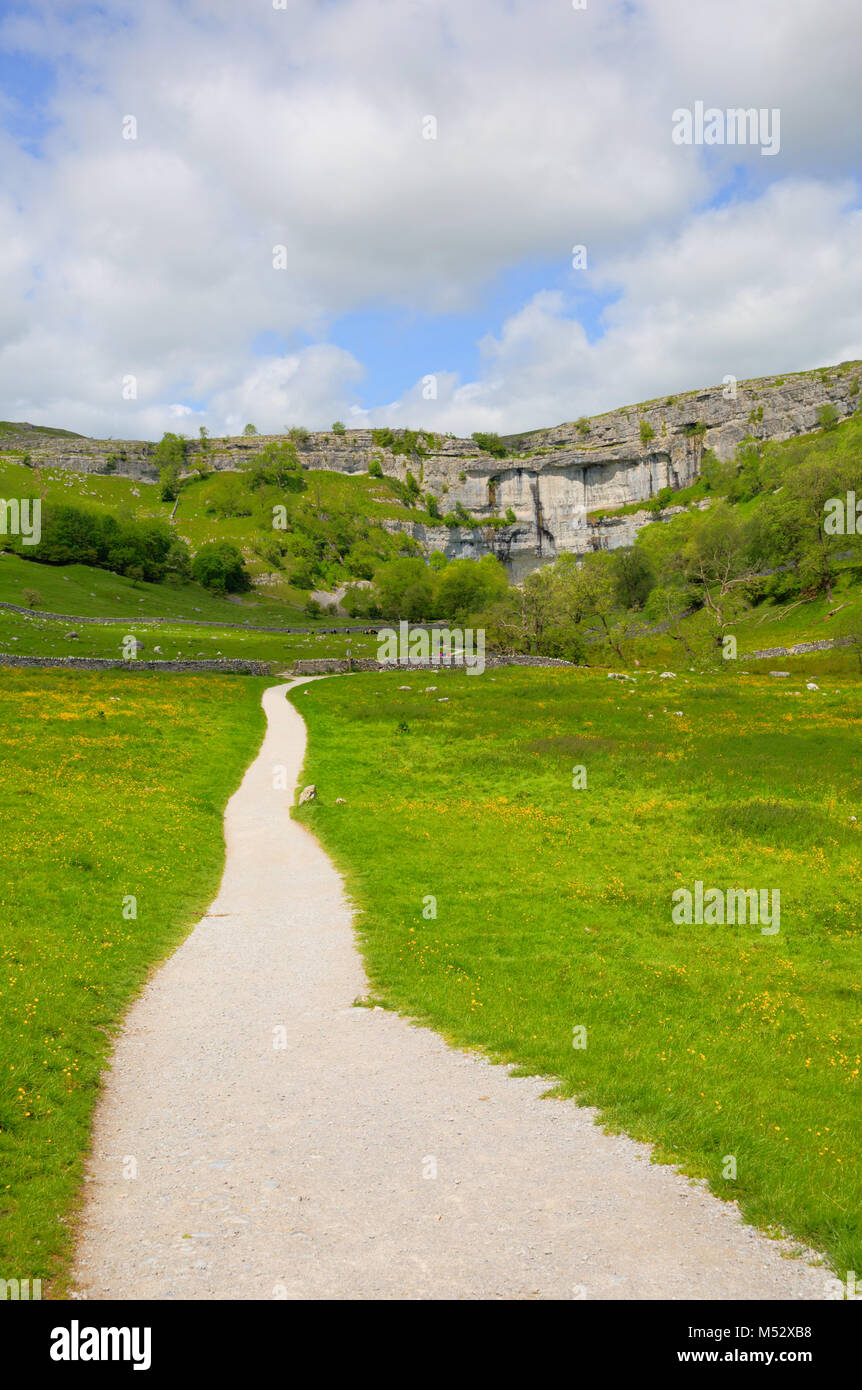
{"type": "Point", "coordinates": [553, 904]}
{"type": "Point", "coordinates": [114, 784]}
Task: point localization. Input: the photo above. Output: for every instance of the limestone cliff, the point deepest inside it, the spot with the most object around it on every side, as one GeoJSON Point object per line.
{"type": "Point", "coordinates": [551, 479]}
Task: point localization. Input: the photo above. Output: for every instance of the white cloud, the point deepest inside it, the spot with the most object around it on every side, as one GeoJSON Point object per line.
{"type": "Point", "coordinates": [303, 127]}
{"type": "Point", "coordinates": [768, 286]}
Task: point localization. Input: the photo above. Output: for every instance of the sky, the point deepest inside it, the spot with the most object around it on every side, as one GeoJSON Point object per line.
{"type": "Point", "coordinates": [291, 212]}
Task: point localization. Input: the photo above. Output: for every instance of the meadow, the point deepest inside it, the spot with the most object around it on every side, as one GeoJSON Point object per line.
{"type": "Point", "coordinates": [114, 785]}
{"type": "Point", "coordinates": [508, 908]}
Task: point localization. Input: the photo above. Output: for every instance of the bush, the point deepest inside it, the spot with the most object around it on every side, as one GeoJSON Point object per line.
{"type": "Point", "coordinates": [339, 427]}
{"type": "Point", "coordinates": [219, 566]}
{"type": "Point", "coordinates": [374, 469]}
{"type": "Point", "coordinates": [298, 434]}
{"type": "Point", "coordinates": [490, 444]}
{"type": "Point", "coordinates": [647, 432]}
{"type": "Point", "coordinates": [71, 535]}
{"type": "Point", "coordinates": [827, 417]}
{"type": "Point", "coordinates": [565, 644]}
{"type": "Point", "coordinates": [663, 498]}
{"type": "Point", "coordinates": [510, 516]}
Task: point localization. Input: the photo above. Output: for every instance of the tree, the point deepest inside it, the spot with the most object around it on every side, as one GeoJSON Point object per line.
{"type": "Point", "coordinates": [634, 576]}
{"type": "Point", "coordinates": [404, 588]}
{"type": "Point", "coordinates": [339, 427]}
{"type": "Point", "coordinates": [219, 566]}
{"type": "Point", "coordinates": [717, 563]}
{"type": "Point", "coordinates": [466, 587]}
{"type": "Point", "coordinates": [278, 465]}
{"type": "Point", "coordinates": [249, 430]}
{"type": "Point", "coordinates": [790, 526]}
{"type": "Point", "coordinates": [169, 457]}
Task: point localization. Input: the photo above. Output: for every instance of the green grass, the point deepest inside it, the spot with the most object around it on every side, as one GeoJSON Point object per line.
{"type": "Point", "coordinates": [113, 784]}
{"type": "Point", "coordinates": [554, 904]}
{"type": "Point", "coordinates": [21, 635]}
{"type": "Point", "coordinates": [86, 592]}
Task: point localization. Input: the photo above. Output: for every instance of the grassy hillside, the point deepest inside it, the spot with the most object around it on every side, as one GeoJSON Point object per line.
{"type": "Point", "coordinates": [333, 515]}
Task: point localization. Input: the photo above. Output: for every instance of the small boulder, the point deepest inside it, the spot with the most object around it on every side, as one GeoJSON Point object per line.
{"type": "Point", "coordinates": [72, 637]}
{"type": "Point", "coordinates": [307, 794]}
{"type": "Point", "coordinates": [339, 801]}
{"type": "Point", "coordinates": [778, 674]}
{"type": "Point", "coordinates": [668, 676]}
{"type": "Point", "coordinates": [812, 686]}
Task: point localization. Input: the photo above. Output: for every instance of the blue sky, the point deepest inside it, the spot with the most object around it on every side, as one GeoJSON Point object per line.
{"type": "Point", "coordinates": [408, 258]}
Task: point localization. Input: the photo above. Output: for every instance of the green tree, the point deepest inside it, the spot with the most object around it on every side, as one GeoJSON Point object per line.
{"type": "Point", "coordinates": [169, 457]}
{"type": "Point", "coordinates": [634, 575]}
{"type": "Point", "coordinates": [404, 588]}
{"type": "Point", "coordinates": [466, 587]}
{"type": "Point", "coordinates": [219, 566]}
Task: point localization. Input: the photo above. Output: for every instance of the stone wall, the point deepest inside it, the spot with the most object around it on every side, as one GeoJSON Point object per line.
{"type": "Point", "coordinates": [97, 663]}
{"type": "Point", "coordinates": [333, 665]}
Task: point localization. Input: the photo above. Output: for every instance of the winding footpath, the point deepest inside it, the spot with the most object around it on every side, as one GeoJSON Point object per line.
{"type": "Point", "coordinates": [285, 1142]}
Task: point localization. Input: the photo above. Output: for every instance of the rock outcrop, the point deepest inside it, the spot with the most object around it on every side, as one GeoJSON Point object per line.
{"type": "Point", "coordinates": [551, 480]}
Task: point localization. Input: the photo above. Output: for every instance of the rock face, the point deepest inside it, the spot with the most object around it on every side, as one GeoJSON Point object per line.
{"type": "Point", "coordinates": [552, 479]}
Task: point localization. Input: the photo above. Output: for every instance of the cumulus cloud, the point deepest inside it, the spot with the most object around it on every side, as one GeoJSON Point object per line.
{"type": "Point", "coordinates": [302, 128]}
{"type": "Point", "coordinates": [765, 286]}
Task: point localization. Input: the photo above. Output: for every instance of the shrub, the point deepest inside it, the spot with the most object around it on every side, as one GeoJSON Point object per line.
{"type": "Point", "coordinates": [339, 427]}
{"type": "Point", "coordinates": [647, 432]}
{"type": "Point", "coordinates": [374, 469]}
{"type": "Point", "coordinates": [71, 535]}
{"type": "Point", "coordinates": [219, 566]}
{"type": "Point", "coordinates": [827, 417]}
{"type": "Point", "coordinates": [490, 444]}
{"type": "Point", "coordinates": [298, 434]}
{"type": "Point", "coordinates": [249, 430]}
{"type": "Point", "coordinates": [565, 644]}
{"type": "Point", "coordinates": [583, 426]}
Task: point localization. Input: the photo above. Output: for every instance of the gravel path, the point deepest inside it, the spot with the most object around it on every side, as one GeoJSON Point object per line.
{"type": "Point", "coordinates": [298, 1171]}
